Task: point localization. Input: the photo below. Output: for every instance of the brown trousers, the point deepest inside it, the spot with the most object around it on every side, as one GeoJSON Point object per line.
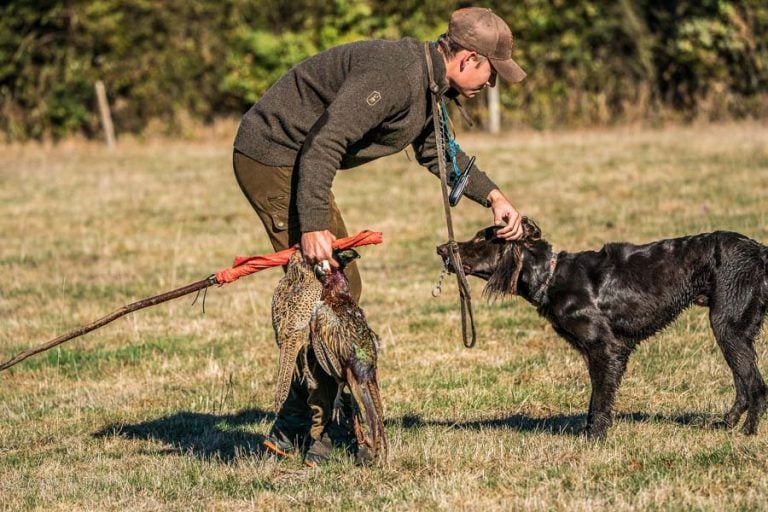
{"type": "Point", "coordinates": [271, 192]}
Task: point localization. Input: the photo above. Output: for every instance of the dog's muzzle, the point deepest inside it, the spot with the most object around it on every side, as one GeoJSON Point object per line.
{"type": "Point", "coordinates": [443, 252]}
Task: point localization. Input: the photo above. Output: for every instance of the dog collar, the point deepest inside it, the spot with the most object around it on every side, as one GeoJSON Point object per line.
{"type": "Point", "coordinates": [542, 291]}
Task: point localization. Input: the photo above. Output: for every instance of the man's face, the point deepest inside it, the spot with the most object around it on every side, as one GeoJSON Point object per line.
{"type": "Point", "coordinates": [473, 75]}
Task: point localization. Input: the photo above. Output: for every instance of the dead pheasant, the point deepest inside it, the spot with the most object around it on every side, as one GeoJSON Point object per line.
{"type": "Point", "coordinates": [292, 305]}
{"type": "Point", "coordinates": [347, 348]}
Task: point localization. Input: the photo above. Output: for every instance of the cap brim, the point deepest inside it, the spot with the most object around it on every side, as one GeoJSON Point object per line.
{"type": "Point", "coordinates": [509, 70]}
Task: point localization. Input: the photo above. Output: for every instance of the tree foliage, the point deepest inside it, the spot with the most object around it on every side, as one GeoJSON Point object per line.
{"type": "Point", "coordinates": [588, 61]}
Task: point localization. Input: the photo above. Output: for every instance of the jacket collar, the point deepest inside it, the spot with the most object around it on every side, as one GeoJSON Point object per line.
{"type": "Point", "coordinates": [438, 67]}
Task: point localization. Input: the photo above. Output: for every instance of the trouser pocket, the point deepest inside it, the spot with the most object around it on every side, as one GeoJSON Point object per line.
{"type": "Point", "coordinates": [268, 190]}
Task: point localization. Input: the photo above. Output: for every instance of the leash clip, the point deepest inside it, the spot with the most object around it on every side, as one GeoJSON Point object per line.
{"type": "Point", "coordinates": [437, 290]}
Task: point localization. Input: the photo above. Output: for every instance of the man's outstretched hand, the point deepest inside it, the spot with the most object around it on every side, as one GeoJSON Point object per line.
{"type": "Point", "coordinates": [505, 215]}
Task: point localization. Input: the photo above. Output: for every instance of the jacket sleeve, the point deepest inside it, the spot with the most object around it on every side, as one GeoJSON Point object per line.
{"type": "Point", "coordinates": [362, 103]}
{"type": "Point", "coordinates": [479, 184]}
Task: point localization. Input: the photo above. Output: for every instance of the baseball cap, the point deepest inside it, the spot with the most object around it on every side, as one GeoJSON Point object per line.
{"type": "Point", "coordinates": [481, 30]}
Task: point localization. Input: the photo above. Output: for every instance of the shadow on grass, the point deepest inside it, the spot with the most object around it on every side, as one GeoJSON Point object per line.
{"type": "Point", "coordinates": [689, 419]}
{"type": "Point", "coordinates": [204, 435]}
{"type": "Point", "coordinates": [561, 424]}
{"type": "Point", "coordinates": [572, 425]}
{"type": "Point", "coordinates": [223, 437]}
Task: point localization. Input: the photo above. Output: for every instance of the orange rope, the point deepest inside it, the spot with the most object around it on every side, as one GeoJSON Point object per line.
{"type": "Point", "coordinates": [245, 265]}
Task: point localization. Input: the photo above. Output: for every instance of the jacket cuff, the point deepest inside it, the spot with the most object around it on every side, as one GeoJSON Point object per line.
{"type": "Point", "coordinates": [313, 220]}
{"type": "Point", "coordinates": [478, 188]}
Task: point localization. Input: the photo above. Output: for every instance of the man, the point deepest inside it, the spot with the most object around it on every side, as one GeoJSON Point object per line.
{"type": "Point", "coordinates": [347, 106]}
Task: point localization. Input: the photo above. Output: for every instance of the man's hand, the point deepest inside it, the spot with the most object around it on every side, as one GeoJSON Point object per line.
{"type": "Point", "coordinates": [316, 247]}
{"type": "Point", "coordinates": [505, 213]}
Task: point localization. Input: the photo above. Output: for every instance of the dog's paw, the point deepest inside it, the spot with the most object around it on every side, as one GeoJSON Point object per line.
{"type": "Point", "coordinates": [749, 428]}
{"type": "Point", "coordinates": [727, 422]}
{"type": "Point", "coordinates": [722, 424]}
{"type": "Point", "coordinates": [592, 433]}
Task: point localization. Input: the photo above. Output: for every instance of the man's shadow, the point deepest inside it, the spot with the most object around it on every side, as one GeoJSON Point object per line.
{"type": "Point", "coordinates": [205, 435]}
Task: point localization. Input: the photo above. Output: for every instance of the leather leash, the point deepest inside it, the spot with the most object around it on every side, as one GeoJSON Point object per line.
{"type": "Point", "coordinates": [468, 333]}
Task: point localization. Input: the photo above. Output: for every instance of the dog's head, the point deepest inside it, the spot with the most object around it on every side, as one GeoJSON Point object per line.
{"type": "Point", "coordinates": [494, 259]}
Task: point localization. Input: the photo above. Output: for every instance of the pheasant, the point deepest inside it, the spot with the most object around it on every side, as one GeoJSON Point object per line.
{"type": "Point", "coordinates": [292, 305]}
{"type": "Point", "coordinates": [323, 335]}
{"type": "Point", "coordinates": [346, 348]}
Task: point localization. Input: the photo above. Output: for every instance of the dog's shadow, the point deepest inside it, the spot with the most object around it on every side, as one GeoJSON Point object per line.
{"type": "Point", "coordinates": [570, 425]}
{"type": "Point", "coordinates": [204, 435]}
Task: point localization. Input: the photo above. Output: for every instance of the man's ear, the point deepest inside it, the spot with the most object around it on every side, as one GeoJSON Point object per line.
{"type": "Point", "coordinates": [468, 57]}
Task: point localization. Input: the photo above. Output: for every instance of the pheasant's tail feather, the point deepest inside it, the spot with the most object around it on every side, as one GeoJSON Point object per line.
{"type": "Point", "coordinates": [289, 351]}
{"type": "Point", "coordinates": [368, 400]}
{"type": "Point", "coordinates": [373, 389]}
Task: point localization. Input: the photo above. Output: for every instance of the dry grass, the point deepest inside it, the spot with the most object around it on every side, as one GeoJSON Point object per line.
{"type": "Point", "coordinates": [162, 410]}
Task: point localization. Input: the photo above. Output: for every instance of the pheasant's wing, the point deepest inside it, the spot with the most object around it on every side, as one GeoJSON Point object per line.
{"type": "Point", "coordinates": [296, 287]}
{"type": "Point", "coordinates": [280, 307]}
{"type": "Point", "coordinates": [329, 339]}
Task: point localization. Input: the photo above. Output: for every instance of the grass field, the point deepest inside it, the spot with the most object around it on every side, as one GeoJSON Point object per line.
{"type": "Point", "coordinates": [163, 409]}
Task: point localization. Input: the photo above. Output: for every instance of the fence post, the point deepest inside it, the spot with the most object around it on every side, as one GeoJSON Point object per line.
{"type": "Point", "coordinates": [494, 110]}
{"type": "Point", "coordinates": [105, 114]}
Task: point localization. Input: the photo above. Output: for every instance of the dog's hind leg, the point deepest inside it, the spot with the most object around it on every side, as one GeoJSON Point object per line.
{"type": "Point", "coordinates": [736, 337]}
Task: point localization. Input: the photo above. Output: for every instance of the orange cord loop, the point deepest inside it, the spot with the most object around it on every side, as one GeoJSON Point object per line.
{"type": "Point", "coordinates": [245, 265]}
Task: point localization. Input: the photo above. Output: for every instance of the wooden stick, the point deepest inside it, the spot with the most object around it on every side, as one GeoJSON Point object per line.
{"type": "Point", "coordinates": [141, 304]}
{"type": "Point", "coordinates": [242, 266]}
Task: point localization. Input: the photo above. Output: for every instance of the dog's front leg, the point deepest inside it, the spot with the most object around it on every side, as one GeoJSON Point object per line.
{"type": "Point", "coordinates": [606, 368]}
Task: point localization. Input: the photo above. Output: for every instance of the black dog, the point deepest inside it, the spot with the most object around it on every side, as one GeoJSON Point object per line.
{"type": "Point", "coordinates": [605, 302]}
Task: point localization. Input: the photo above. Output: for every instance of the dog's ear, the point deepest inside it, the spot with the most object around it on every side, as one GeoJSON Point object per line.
{"type": "Point", "coordinates": [531, 231]}
{"type": "Point", "coordinates": [503, 281]}
{"type": "Point", "coordinates": [487, 234]}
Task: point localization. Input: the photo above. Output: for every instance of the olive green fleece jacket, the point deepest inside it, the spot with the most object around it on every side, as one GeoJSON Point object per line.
{"type": "Point", "coordinates": [342, 108]}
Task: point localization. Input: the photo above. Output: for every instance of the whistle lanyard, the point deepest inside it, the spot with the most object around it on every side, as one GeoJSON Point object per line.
{"type": "Point", "coordinates": [451, 146]}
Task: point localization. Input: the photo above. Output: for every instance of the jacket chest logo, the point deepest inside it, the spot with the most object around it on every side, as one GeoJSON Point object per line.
{"type": "Point", "coordinates": [373, 98]}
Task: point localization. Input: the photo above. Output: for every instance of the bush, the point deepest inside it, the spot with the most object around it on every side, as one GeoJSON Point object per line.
{"type": "Point", "coordinates": [588, 62]}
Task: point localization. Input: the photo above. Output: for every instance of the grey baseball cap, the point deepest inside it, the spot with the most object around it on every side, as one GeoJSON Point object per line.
{"type": "Point", "coordinates": [481, 30]}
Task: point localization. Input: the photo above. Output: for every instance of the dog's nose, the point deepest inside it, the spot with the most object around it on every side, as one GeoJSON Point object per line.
{"type": "Point", "coordinates": [442, 250]}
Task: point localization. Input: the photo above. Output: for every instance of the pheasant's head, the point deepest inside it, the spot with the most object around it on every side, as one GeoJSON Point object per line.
{"type": "Point", "coordinates": [343, 257]}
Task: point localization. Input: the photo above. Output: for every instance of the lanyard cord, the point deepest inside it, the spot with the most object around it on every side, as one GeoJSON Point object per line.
{"type": "Point", "coordinates": [453, 146]}
{"type": "Point", "coordinates": [441, 135]}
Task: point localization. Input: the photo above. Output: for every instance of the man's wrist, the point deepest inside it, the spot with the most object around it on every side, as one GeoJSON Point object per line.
{"type": "Point", "coordinates": [494, 195]}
